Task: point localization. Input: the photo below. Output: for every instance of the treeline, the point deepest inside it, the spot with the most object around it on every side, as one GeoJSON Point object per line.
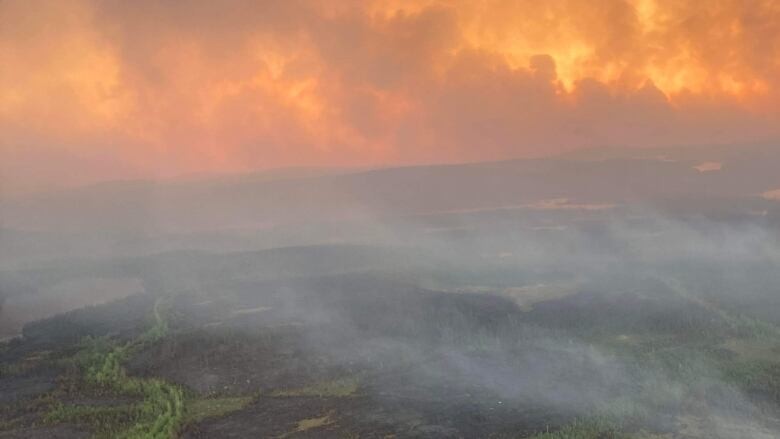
{"type": "Point", "coordinates": [125, 317]}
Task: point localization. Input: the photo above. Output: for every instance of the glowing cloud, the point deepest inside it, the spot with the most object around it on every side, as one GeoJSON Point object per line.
{"type": "Point", "coordinates": [119, 89]}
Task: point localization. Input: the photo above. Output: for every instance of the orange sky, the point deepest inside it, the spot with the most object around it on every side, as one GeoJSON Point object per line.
{"type": "Point", "coordinates": [93, 89]}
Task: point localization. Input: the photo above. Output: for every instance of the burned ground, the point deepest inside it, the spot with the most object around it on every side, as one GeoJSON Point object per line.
{"type": "Point", "coordinates": [376, 354]}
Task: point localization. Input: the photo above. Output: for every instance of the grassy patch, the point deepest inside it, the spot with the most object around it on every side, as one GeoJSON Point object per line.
{"type": "Point", "coordinates": [755, 377]}
{"type": "Point", "coordinates": [593, 428]}
{"type": "Point", "coordinates": [103, 420]}
{"type": "Point", "coordinates": [754, 350]}
{"type": "Point", "coordinates": [310, 424]}
{"type": "Point", "coordinates": [342, 387]}
{"type": "Point", "coordinates": [25, 365]}
{"type": "Point", "coordinates": [159, 415]}
{"type": "Point", "coordinates": [200, 409]}
{"type": "Point", "coordinates": [15, 369]}
{"type": "Point", "coordinates": [11, 424]}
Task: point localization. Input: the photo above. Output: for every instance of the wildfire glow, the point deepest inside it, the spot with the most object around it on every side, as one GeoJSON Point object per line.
{"type": "Point", "coordinates": [170, 87]}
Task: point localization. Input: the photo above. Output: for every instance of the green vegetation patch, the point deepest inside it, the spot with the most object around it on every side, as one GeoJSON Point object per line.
{"type": "Point", "coordinates": [310, 424]}
{"type": "Point", "coordinates": [25, 365]}
{"type": "Point", "coordinates": [597, 428]}
{"type": "Point", "coordinates": [762, 350]}
{"type": "Point", "coordinates": [204, 408]}
{"type": "Point", "coordinates": [101, 419]}
{"type": "Point", "coordinates": [339, 388]}
{"type": "Point", "coordinates": [11, 424]}
{"type": "Point", "coordinates": [159, 415]}
{"type": "Point", "coordinates": [756, 377]}
{"type": "Point", "coordinates": [591, 428]}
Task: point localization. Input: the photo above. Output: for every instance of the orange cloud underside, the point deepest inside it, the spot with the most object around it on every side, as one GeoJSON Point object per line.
{"type": "Point", "coordinates": [174, 87]}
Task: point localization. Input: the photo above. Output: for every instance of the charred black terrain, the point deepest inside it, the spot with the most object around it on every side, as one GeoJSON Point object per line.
{"type": "Point", "coordinates": [369, 355]}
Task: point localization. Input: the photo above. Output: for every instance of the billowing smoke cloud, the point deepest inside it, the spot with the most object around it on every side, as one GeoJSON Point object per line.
{"type": "Point", "coordinates": [121, 89]}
